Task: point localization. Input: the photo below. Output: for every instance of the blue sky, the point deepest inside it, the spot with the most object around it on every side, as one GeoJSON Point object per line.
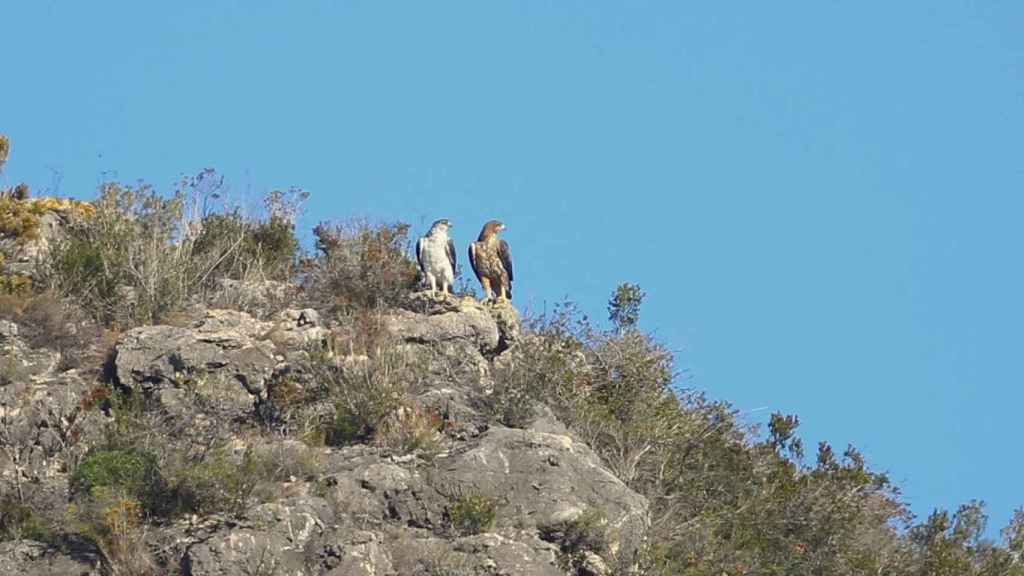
{"type": "Point", "coordinates": [821, 199]}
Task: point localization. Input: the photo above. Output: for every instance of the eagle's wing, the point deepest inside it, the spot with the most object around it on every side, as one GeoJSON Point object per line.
{"type": "Point", "coordinates": [472, 261]}
{"type": "Point", "coordinates": [506, 258]}
{"type": "Point", "coordinates": [450, 250]}
{"type": "Point", "coordinates": [419, 255]}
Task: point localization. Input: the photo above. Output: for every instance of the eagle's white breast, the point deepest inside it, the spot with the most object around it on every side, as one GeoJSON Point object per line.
{"type": "Point", "coordinates": [435, 258]}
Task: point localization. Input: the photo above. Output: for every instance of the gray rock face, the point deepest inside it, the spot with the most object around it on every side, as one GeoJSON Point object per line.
{"type": "Point", "coordinates": [19, 362]}
{"type": "Point", "coordinates": [544, 479]}
{"type": "Point", "coordinates": [20, 256]}
{"type": "Point", "coordinates": [47, 419]}
{"type": "Point", "coordinates": [29, 558]}
{"type": "Point", "coordinates": [360, 509]}
{"type": "Point", "coordinates": [271, 540]}
{"type": "Point", "coordinates": [469, 325]}
{"type": "Point", "coordinates": [219, 355]}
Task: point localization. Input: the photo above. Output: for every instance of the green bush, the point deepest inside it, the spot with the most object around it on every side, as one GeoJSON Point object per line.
{"type": "Point", "coordinates": [548, 365]}
{"type": "Point", "coordinates": [218, 483]}
{"type": "Point", "coordinates": [122, 262]}
{"type": "Point", "coordinates": [513, 400]}
{"type": "Point", "coordinates": [133, 472]}
{"type": "Point", "coordinates": [244, 249]}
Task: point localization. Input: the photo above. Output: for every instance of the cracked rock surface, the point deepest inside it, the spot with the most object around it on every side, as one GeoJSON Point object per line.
{"type": "Point", "coordinates": [362, 510]}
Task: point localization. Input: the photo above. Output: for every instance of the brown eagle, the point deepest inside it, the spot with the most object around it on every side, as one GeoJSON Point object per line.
{"type": "Point", "coordinates": [492, 262]}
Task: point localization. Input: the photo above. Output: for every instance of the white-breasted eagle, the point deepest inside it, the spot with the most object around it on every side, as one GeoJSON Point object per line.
{"type": "Point", "coordinates": [435, 253]}
{"type": "Point", "coordinates": [492, 262]}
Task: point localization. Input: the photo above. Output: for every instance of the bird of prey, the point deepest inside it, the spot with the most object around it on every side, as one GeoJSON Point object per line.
{"type": "Point", "coordinates": [492, 262]}
{"type": "Point", "coordinates": [435, 253]}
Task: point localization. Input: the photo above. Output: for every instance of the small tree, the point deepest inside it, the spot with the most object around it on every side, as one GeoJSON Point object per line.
{"type": "Point", "coordinates": [624, 306]}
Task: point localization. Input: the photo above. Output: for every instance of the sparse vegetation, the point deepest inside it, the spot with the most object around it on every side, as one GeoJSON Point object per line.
{"type": "Point", "coordinates": [114, 521]}
{"type": "Point", "coordinates": [18, 521]}
{"type": "Point", "coordinates": [360, 266]}
{"type": "Point", "coordinates": [411, 428]}
{"type": "Point", "coordinates": [584, 533]}
{"type": "Point", "coordinates": [45, 321]}
{"type": "Point", "coordinates": [473, 513]}
{"type": "Point", "coordinates": [722, 501]}
{"type": "Point", "coordinates": [365, 391]}
{"type": "Point", "coordinates": [200, 473]}
{"type": "Point", "coordinates": [140, 257]}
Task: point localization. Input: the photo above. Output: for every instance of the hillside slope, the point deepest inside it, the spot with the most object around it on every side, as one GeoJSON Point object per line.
{"type": "Point", "coordinates": [198, 396]}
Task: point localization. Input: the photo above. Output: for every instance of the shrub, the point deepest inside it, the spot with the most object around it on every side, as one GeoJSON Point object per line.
{"type": "Point", "coordinates": [513, 401]}
{"type": "Point", "coordinates": [624, 306]}
{"type": "Point", "coordinates": [473, 514]}
{"type": "Point", "coordinates": [218, 482]}
{"type": "Point", "coordinates": [411, 428]}
{"type": "Point", "coordinates": [45, 321]}
{"type": "Point", "coordinates": [11, 370]}
{"type": "Point", "coordinates": [139, 257]}
{"type": "Point", "coordinates": [244, 249]}
{"type": "Point", "coordinates": [360, 266]}
{"type": "Point", "coordinates": [221, 480]}
{"type": "Point", "coordinates": [365, 391]}
{"type": "Point", "coordinates": [122, 262]}
{"type": "Point", "coordinates": [19, 219]}
{"type": "Point", "coordinates": [18, 521]}
{"type": "Point", "coordinates": [133, 473]}
{"type": "Point", "coordinates": [548, 364]}
{"type": "Point", "coordinates": [113, 520]}
{"type": "Point", "coordinates": [15, 284]}
{"type": "Point", "coordinates": [582, 533]}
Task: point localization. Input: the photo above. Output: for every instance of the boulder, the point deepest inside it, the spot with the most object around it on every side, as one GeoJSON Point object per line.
{"type": "Point", "coordinates": [271, 539]}
{"type": "Point", "coordinates": [218, 356]}
{"type": "Point", "coordinates": [541, 479]}
{"type": "Point", "coordinates": [30, 558]}
{"type": "Point", "coordinates": [469, 325]}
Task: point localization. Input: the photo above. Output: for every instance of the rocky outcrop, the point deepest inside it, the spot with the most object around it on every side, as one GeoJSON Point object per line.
{"type": "Point", "coordinates": [40, 223]}
{"type": "Point", "coordinates": [30, 558]}
{"type": "Point", "coordinates": [46, 420]}
{"type": "Point", "coordinates": [222, 344]}
{"type": "Point", "coordinates": [362, 509]}
{"type": "Point", "coordinates": [21, 363]}
{"type": "Point", "coordinates": [227, 357]}
{"type": "Point", "coordinates": [272, 539]}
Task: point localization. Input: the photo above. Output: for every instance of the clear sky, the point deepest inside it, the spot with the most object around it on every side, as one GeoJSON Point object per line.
{"type": "Point", "coordinates": [823, 200]}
